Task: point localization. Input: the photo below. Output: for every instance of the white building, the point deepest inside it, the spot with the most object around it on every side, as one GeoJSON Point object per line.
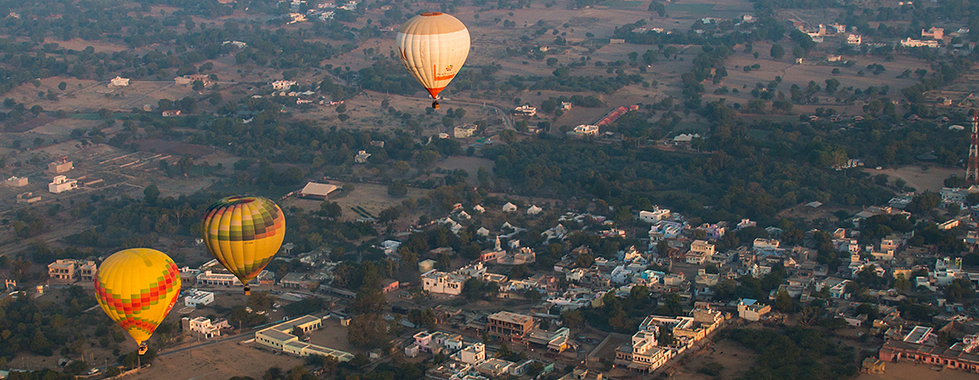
{"type": "Point", "coordinates": [525, 110]}
{"type": "Point", "coordinates": [701, 246]}
{"type": "Point", "coordinates": [584, 130]}
{"type": "Point", "coordinates": [912, 43]}
{"type": "Point", "coordinates": [509, 207]}
{"type": "Point", "coordinates": [443, 283]}
{"type": "Point", "coordinates": [218, 279]}
{"type": "Point", "coordinates": [61, 184]}
{"type": "Point", "coordinates": [654, 216]}
{"type": "Point", "coordinates": [280, 85]}
{"type": "Point", "coordinates": [203, 328]}
{"type": "Point", "coordinates": [534, 210]}
{"type": "Point", "coordinates": [119, 82]}
{"type": "Point", "coordinates": [198, 297]}
{"type": "Point", "coordinates": [854, 39]}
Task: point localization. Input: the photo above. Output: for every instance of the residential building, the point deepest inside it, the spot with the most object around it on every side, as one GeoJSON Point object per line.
{"type": "Point", "coordinates": [509, 207]}
{"type": "Point", "coordinates": [361, 157]}
{"type": "Point", "coordinates": [281, 85]}
{"type": "Point", "coordinates": [751, 310]}
{"type": "Point", "coordinates": [933, 33]}
{"type": "Point", "coordinates": [473, 354]}
{"type": "Point", "coordinates": [582, 374]}
{"type": "Point", "coordinates": [644, 353]}
{"type": "Point", "coordinates": [61, 184]}
{"type": "Point", "coordinates": [280, 338]}
{"type": "Point", "coordinates": [60, 166]}
{"type": "Point", "coordinates": [119, 82]}
{"type": "Point", "coordinates": [70, 270]}
{"type": "Point", "coordinates": [702, 246]}
{"type": "Point", "coordinates": [525, 110]}
{"type": "Point", "coordinates": [443, 283]}
{"type": "Point", "coordinates": [584, 130]}
{"type": "Point", "coordinates": [16, 181]}
{"type": "Point", "coordinates": [494, 367]}
{"type": "Point", "coordinates": [913, 43]}
{"type": "Point", "coordinates": [654, 216]}
{"type": "Point", "coordinates": [298, 281]}
{"type": "Point", "coordinates": [203, 328]}
{"type": "Point", "coordinates": [534, 210]}
{"type": "Point", "coordinates": [854, 39]}
{"type": "Point", "coordinates": [509, 326]}
{"type": "Point", "coordinates": [28, 197]}
{"type": "Point", "coordinates": [170, 113]}
{"type": "Point", "coordinates": [198, 297]}
{"type": "Point", "coordinates": [464, 131]}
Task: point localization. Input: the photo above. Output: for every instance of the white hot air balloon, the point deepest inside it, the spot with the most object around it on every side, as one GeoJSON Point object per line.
{"type": "Point", "coordinates": [433, 47]}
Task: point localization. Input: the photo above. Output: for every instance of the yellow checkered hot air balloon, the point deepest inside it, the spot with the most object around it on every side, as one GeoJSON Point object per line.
{"type": "Point", "coordinates": [244, 233]}
{"type": "Point", "coordinates": [137, 288]}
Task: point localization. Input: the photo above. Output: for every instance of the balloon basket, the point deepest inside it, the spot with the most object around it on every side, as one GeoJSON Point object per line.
{"type": "Point", "coordinates": [435, 105]}
{"type": "Point", "coordinates": [248, 291]}
{"type": "Point", "coordinates": [142, 349]}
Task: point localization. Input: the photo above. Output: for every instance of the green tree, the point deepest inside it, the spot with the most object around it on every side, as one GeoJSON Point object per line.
{"type": "Point", "coordinates": [151, 194]}
{"type": "Point", "coordinates": [397, 189]}
{"type": "Point", "coordinates": [783, 302]}
{"type": "Point", "coordinates": [777, 51]}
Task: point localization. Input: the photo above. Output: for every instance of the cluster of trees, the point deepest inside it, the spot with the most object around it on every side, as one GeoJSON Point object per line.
{"type": "Point", "coordinates": [795, 353]}
{"type": "Point", "coordinates": [42, 327]}
{"type": "Point", "coordinates": [619, 315]}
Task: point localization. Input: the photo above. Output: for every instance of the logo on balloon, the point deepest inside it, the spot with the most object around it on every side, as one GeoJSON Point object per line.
{"type": "Point", "coordinates": [448, 68]}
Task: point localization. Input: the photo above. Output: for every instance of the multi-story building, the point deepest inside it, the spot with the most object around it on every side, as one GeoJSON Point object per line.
{"type": "Point", "coordinates": [509, 326]}
{"type": "Point", "coordinates": [444, 283]}
{"type": "Point", "coordinates": [654, 216]}
{"type": "Point", "coordinates": [203, 328]}
{"type": "Point", "coordinates": [751, 310]}
{"type": "Point", "coordinates": [61, 184]}
{"type": "Point", "coordinates": [69, 270]}
{"type": "Point", "coordinates": [198, 297]}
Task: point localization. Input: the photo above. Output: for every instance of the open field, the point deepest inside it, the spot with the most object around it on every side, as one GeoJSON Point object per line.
{"type": "Point", "coordinates": [218, 361]}
{"type": "Point", "coordinates": [372, 198]}
{"type": "Point", "coordinates": [801, 74]}
{"type": "Point", "coordinates": [932, 179]}
{"type": "Point", "coordinates": [734, 357]}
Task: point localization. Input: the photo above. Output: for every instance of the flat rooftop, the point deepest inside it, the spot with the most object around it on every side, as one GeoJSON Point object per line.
{"type": "Point", "coordinates": [509, 317]}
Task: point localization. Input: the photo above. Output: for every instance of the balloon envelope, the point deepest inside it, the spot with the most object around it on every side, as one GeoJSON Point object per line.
{"type": "Point", "coordinates": [433, 47]}
{"type": "Point", "coordinates": [244, 233]}
{"type": "Point", "coordinates": [137, 288]}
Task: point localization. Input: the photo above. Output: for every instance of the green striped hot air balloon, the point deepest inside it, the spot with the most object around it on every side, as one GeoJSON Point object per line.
{"type": "Point", "coordinates": [244, 233]}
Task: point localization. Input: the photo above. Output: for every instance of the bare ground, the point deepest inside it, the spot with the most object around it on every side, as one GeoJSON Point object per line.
{"type": "Point", "coordinates": [930, 179]}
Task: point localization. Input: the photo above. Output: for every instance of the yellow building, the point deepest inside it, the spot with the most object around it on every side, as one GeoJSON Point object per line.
{"type": "Point", "coordinates": [279, 337]}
